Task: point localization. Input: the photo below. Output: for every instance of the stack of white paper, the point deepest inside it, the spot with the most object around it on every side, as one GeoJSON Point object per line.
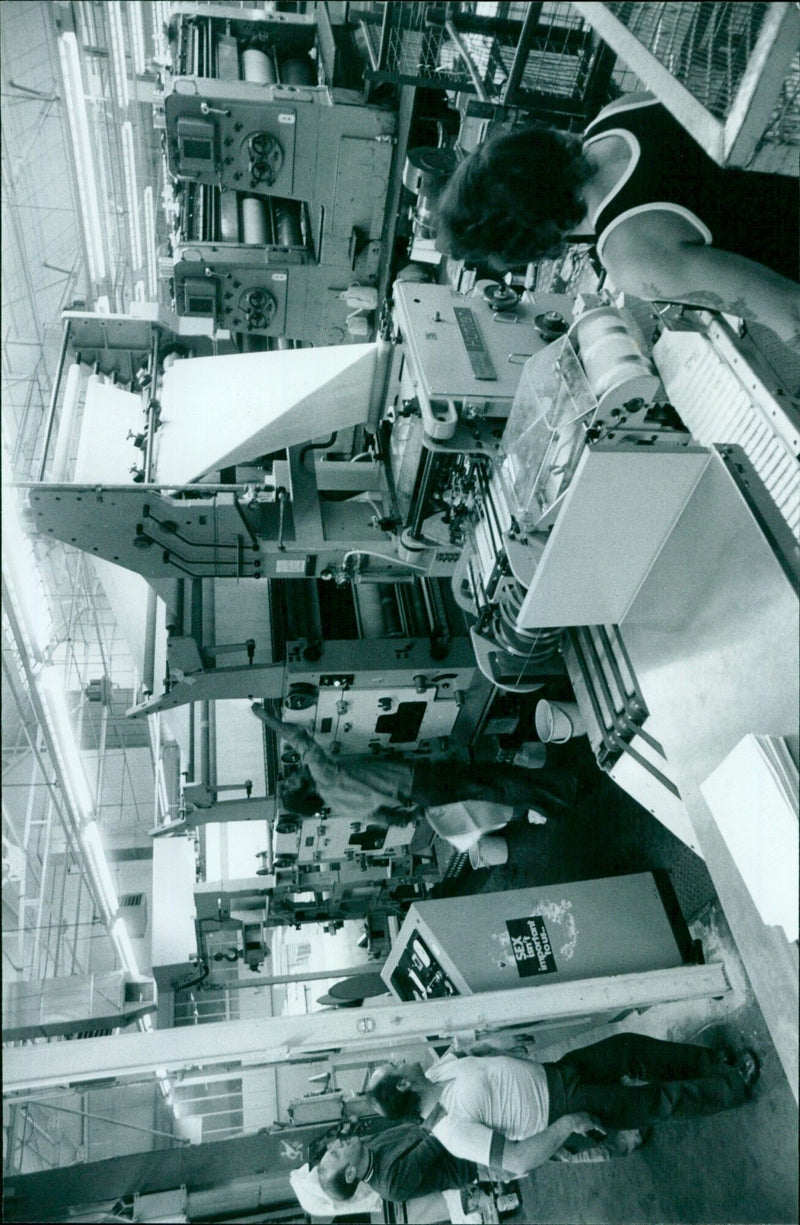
{"type": "Point", "coordinates": [753, 797]}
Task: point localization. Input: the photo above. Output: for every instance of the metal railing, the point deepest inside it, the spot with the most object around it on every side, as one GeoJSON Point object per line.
{"type": "Point", "coordinates": [531, 55]}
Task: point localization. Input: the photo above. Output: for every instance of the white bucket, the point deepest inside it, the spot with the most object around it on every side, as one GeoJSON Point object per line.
{"type": "Point", "coordinates": [556, 722]}
{"type": "Point", "coordinates": [489, 852]}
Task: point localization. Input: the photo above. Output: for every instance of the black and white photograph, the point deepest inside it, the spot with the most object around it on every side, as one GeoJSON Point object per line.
{"type": "Point", "coordinates": [400, 611]}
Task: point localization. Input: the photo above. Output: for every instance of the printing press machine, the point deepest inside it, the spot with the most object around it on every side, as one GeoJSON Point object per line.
{"type": "Point", "coordinates": [277, 173]}
{"type": "Point", "coordinates": [392, 540]}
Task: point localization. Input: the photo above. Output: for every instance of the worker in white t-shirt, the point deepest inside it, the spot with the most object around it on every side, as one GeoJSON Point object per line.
{"type": "Point", "coordinates": [513, 1114]}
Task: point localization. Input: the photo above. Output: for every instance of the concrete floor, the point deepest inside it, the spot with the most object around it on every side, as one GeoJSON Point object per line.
{"type": "Point", "coordinates": [739, 1166]}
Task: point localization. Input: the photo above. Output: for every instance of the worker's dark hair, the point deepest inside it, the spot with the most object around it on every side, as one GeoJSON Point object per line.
{"type": "Point", "coordinates": [393, 1102]}
{"type": "Point", "coordinates": [514, 199]}
{"type": "Point", "coordinates": [336, 1185]}
{"type": "Point", "coordinates": [299, 794]}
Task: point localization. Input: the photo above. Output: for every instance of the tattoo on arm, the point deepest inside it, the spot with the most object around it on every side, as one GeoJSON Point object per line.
{"type": "Point", "coordinates": [701, 297]}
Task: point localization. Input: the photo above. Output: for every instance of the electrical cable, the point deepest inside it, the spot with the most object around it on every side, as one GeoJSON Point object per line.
{"type": "Point", "coordinates": [318, 446]}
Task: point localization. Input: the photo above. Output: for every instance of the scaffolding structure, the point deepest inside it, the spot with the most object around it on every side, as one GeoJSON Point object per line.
{"type": "Point", "coordinates": [542, 56]}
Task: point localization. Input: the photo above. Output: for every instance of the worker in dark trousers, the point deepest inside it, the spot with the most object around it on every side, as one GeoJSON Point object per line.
{"type": "Point", "coordinates": [513, 1114]}
{"type": "Point", "coordinates": [383, 793]}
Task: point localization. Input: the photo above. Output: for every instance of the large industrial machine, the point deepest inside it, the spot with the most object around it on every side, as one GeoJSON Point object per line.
{"type": "Point", "coordinates": [279, 171]}
{"type": "Point", "coordinates": [397, 544]}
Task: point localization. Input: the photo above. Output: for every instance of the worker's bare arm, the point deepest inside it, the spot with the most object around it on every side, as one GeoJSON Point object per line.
{"type": "Point", "coordinates": [287, 731]}
{"type": "Point", "coordinates": [521, 1156]}
{"type": "Point", "coordinates": [657, 256]}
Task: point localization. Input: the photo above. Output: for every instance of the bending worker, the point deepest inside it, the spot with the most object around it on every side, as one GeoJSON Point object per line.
{"type": "Point", "coordinates": [408, 1161]}
{"type": "Point", "coordinates": [399, 1163]}
{"type": "Point", "coordinates": [384, 793]}
{"type": "Point", "coordinates": [514, 1114]}
{"type": "Point", "coordinates": [668, 223]}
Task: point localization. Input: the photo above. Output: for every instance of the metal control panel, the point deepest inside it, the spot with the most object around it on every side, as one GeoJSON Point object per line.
{"type": "Point", "coordinates": [479, 359]}
{"type": "Point", "coordinates": [459, 348]}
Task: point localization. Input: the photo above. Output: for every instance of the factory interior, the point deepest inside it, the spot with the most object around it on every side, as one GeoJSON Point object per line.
{"type": "Point", "coordinates": [470, 521]}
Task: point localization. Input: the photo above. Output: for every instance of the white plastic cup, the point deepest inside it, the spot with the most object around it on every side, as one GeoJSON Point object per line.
{"type": "Point", "coordinates": [556, 722]}
{"type": "Point", "coordinates": [489, 852]}
{"type": "Point", "coordinates": [553, 725]}
{"type": "Point", "coordinates": [573, 713]}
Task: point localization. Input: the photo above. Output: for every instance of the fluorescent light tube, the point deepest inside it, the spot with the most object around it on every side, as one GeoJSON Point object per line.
{"type": "Point", "coordinates": [132, 192]}
{"type": "Point", "coordinates": [137, 38]}
{"type": "Point", "coordinates": [148, 198]}
{"type": "Point", "coordinates": [114, 16]}
{"type": "Point", "coordinates": [90, 836]}
{"type": "Point", "coordinates": [121, 938]}
{"type": "Point", "coordinates": [82, 150]}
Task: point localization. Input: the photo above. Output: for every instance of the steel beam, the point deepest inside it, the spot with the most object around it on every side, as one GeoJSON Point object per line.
{"type": "Point", "coordinates": [273, 1040]}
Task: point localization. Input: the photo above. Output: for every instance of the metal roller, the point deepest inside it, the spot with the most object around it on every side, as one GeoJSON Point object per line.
{"type": "Point", "coordinates": [170, 763]}
{"type": "Point", "coordinates": [287, 224]}
{"type": "Point", "coordinates": [300, 70]}
{"type": "Point", "coordinates": [258, 67]}
{"type": "Point", "coordinates": [370, 611]}
{"type": "Point", "coordinates": [254, 221]}
{"type": "Point", "coordinates": [609, 353]}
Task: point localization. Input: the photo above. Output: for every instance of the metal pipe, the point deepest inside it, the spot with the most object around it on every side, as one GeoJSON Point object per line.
{"type": "Point", "coordinates": [143, 488]}
{"type": "Point", "coordinates": [383, 46]}
{"type": "Point", "coordinates": [149, 665]}
{"type": "Point", "coordinates": [463, 51]}
{"type": "Point", "coordinates": [209, 727]}
{"type": "Point", "coordinates": [101, 1118]}
{"type": "Point", "coordinates": [152, 410]}
{"type": "Point", "coordinates": [274, 980]}
{"type": "Point", "coordinates": [51, 412]}
{"type": "Point", "coordinates": [428, 469]}
{"type": "Point", "coordinates": [532, 14]}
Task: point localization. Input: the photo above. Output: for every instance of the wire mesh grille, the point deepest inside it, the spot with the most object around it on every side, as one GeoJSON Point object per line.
{"type": "Point", "coordinates": [777, 149]}
{"type": "Point", "coordinates": [558, 61]}
{"type": "Point", "coordinates": [706, 46]}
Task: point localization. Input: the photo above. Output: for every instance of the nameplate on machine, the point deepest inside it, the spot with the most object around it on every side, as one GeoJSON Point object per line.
{"type": "Point", "coordinates": [479, 359]}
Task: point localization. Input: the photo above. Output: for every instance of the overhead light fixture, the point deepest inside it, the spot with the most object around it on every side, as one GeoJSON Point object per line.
{"type": "Point", "coordinates": [148, 197]}
{"type": "Point", "coordinates": [137, 38]}
{"type": "Point", "coordinates": [78, 120]}
{"type": "Point", "coordinates": [101, 873]}
{"type": "Point", "coordinates": [122, 942]}
{"type": "Point", "coordinates": [114, 18]}
{"type": "Point", "coordinates": [160, 19]}
{"type": "Point", "coordinates": [87, 22]}
{"type": "Point", "coordinates": [50, 684]}
{"type": "Point", "coordinates": [132, 192]}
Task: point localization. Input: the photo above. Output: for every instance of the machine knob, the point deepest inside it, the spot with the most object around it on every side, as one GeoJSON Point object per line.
{"type": "Point", "coordinates": [266, 158]}
{"type": "Point", "coordinates": [501, 297]}
{"type": "Point", "coordinates": [550, 325]}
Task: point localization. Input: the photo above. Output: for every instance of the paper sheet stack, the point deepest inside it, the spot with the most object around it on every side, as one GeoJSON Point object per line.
{"type": "Point", "coordinates": [753, 797]}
